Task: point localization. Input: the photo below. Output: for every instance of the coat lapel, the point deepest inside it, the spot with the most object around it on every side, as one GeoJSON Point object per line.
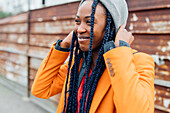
{"type": "Point", "coordinates": [102, 88]}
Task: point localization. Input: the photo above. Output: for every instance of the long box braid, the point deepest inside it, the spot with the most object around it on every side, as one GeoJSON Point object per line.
{"type": "Point", "coordinates": [70, 103]}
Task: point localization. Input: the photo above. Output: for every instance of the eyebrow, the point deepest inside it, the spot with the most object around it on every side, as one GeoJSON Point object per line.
{"type": "Point", "coordinates": [85, 16]}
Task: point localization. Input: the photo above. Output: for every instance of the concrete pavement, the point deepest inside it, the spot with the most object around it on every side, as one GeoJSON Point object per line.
{"type": "Point", "coordinates": [11, 102]}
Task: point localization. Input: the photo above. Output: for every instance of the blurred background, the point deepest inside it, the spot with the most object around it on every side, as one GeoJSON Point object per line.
{"type": "Point", "coordinates": [29, 27]}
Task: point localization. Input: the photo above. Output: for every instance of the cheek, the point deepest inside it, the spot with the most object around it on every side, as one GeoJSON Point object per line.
{"type": "Point", "coordinates": [99, 29]}
{"type": "Point", "coordinates": [84, 46]}
{"type": "Point", "coordinates": [99, 34]}
{"type": "Point", "coordinates": [97, 40]}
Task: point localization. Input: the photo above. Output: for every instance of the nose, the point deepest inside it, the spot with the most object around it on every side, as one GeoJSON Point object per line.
{"type": "Point", "coordinates": [81, 29]}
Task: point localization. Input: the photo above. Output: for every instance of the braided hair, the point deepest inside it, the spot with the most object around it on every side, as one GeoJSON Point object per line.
{"type": "Point", "coordinates": [89, 87]}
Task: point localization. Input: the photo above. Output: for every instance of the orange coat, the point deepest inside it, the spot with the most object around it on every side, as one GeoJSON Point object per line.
{"type": "Point", "coordinates": [126, 86]}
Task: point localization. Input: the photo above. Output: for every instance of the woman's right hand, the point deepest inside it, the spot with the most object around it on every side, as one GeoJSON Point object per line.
{"type": "Point", "coordinates": [66, 43]}
{"type": "Point", "coordinates": [124, 35]}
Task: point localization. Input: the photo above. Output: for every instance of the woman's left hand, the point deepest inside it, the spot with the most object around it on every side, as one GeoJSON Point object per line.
{"type": "Point", "coordinates": [124, 35]}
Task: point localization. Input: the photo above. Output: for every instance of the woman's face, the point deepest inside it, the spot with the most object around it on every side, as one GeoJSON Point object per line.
{"type": "Point", "coordinates": [83, 25]}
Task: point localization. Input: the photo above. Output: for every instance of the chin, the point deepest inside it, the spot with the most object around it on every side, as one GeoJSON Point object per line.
{"type": "Point", "coordinates": [84, 49]}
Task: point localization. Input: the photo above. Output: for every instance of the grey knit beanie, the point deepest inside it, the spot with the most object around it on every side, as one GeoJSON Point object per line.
{"type": "Point", "coordinates": [118, 9]}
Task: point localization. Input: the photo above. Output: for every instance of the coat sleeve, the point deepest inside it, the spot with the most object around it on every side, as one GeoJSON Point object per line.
{"type": "Point", "coordinates": [132, 80]}
{"type": "Point", "coordinates": [51, 74]}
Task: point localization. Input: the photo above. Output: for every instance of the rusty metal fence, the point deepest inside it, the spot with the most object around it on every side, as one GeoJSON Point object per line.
{"type": "Point", "coordinates": [22, 48]}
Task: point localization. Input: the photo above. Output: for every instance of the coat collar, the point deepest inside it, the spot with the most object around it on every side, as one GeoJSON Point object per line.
{"type": "Point", "coordinates": [102, 88]}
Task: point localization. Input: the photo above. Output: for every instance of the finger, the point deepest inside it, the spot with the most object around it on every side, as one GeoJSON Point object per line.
{"type": "Point", "coordinates": [122, 27]}
{"type": "Point", "coordinates": [130, 36]}
{"type": "Point", "coordinates": [125, 30]}
{"type": "Point", "coordinates": [130, 33]}
{"type": "Point", "coordinates": [131, 40]}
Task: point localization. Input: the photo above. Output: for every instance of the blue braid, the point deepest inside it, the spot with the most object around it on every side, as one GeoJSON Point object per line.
{"type": "Point", "coordinates": [76, 82]}
{"type": "Point", "coordinates": [100, 66]}
{"type": "Point", "coordinates": [113, 32]}
{"type": "Point", "coordinates": [72, 80]}
{"type": "Point", "coordinates": [69, 65]}
{"type": "Point", "coordinates": [106, 37]}
{"type": "Point", "coordinates": [91, 92]}
{"type": "Point", "coordinates": [75, 85]}
{"type": "Point", "coordinates": [83, 99]}
{"type": "Point", "coordinates": [97, 67]}
{"type": "Point", "coordinates": [90, 82]}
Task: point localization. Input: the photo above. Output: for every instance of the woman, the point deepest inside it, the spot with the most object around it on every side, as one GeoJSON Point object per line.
{"type": "Point", "coordinates": [104, 75]}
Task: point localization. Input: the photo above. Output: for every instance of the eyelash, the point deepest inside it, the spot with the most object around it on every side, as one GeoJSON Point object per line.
{"type": "Point", "coordinates": [88, 22]}
{"type": "Point", "coordinates": [77, 21]}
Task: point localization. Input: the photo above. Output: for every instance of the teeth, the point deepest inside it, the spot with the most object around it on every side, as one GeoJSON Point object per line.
{"type": "Point", "coordinates": [83, 39]}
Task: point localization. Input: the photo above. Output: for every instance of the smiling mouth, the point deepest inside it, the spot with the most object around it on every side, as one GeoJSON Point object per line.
{"type": "Point", "coordinates": [83, 37]}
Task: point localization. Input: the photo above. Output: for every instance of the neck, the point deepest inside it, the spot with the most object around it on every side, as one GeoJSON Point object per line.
{"type": "Point", "coordinates": [94, 58]}
{"type": "Point", "coordinates": [95, 53]}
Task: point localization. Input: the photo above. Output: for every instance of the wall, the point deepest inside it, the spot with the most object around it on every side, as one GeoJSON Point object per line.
{"type": "Point", "coordinates": [14, 48]}
{"type": "Point", "coordinates": [47, 26]}
{"type": "Point", "coordinates": [149, 21]}
{"type": "Point", "coordinates": [21, 54]}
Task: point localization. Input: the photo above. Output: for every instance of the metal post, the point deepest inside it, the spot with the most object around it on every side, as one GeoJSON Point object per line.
{"type": "Point", "coordinates": [28, 58]}
{"type": "Point", "coordinates": [43, 2]}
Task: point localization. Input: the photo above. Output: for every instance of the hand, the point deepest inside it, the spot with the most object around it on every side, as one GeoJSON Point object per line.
{"type": "Point", "coordinates": [123, 35]}
{"type": "Point", "coordinates": [66, 43]}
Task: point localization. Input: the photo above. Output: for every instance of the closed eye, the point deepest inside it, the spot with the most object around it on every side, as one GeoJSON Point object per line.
{"type": "Point", "coordinates": [88, 22]}
{"type": "Point", "coordinates": [77, 21]}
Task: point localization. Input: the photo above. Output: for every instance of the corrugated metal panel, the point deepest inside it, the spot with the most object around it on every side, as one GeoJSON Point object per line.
{"type": "Point", "coordinates": [135, 5]}
{"type": "Point", "coordinates": [65, 11]}
{"type": "Point", "coordinates": [56, 27]}
{"type": "Point", "coordinates": [14, 67]}
{"type": "Point", "coordinates": [149, 21]}
{"type": "Point", "coordinates": [35, 63]}
{"type": "Point", "coordinates": [47, 26]}
{"type": "Point", "coordinates": [44, 40]}
{"type": "Point", "coordinates": [14, 28]}
{"type": "Point", "coordinates": [153, 44]}
{"type": "Point", "coordinates": [38, 52]}
{"type": "Point", "coordinates": [163, 71]}
{"type": "Point", "coordinates": [20, 18]}
{"type": "Point", "coordinates": [22, 80]}
{"type": "Point", "coordinates": [162, 97]}
{"type": "Point", "coordinates": [13, 38]}
{"type": "Point", "coordinates": [3, 67]}
{"type": "Point", "coordinates": [3, 55]}
{"type": "Point", "coordinates": [13, 48]}
{"type": "Point", "coordinates": [152, 21]}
